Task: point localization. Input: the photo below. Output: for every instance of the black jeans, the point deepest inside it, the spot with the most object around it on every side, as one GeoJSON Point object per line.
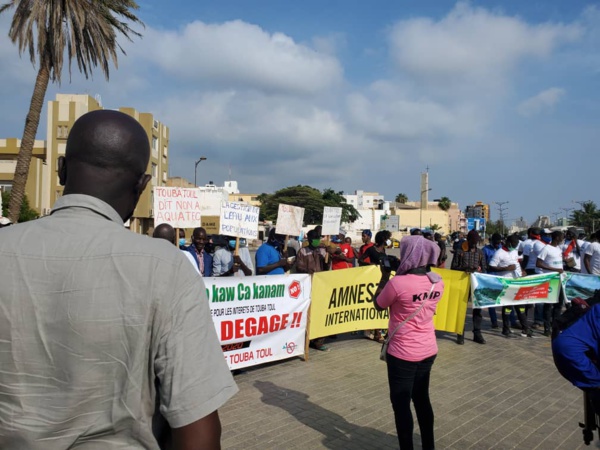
{"type": "Point", "coordinates": [410, 380]}
{"type": "Point", "coordinates": [521, 314]}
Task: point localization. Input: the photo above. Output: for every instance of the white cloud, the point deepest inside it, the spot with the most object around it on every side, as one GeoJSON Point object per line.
{"type": "Point", "coordinates": [473, 44]}
{"type": "Point", "coordinates": [541, 102]}
{"type": "Point", "coordinates": [241, 54]}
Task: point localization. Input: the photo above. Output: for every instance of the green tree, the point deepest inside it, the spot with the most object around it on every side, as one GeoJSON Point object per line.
{"type": "Point", "coordinates": [587, 217]}
{"type": "Point", "coordinates": [401, 198]}
{"type": "Point", "coordinates": [25, 212]}
{"type": "Point", "coordinates": [312, 200]}
{"type": "Point", "coordinates": [83, 30]}
{"type": "Point", "coordinates": [444, 203]}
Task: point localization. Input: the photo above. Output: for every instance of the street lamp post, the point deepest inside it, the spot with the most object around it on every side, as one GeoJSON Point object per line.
{"type": "Point", "coordinates": [202, 158]}
{"type": "Point", "coordinates": [566, 210]}
{"type": "Point", "coordinates": [501, 210]}
{"type": "Point", "coordinates": [421, 210]}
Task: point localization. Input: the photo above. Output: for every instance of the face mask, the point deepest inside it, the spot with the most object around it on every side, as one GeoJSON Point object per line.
{"type": "Point", "coordinates": [547, 239]}
{"type": "Point", "coordinates": [315, 242]}
{"type": "Point", "coordinates": [232, 243]}
{"type": "Point", "coordinates": [181, 241]}
{"type": "Point", "coordinates": [388, 242]}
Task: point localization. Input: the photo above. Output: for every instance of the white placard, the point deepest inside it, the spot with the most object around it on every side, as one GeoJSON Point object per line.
{"type": "Point", "coordinates": [179, 207]}
{"type": "Point", "coordinates": [289, 220]}
{"type": "Point", "coordinates": [332, 218]}
{"type": "Point", "coordinates": [210, 202]}
{"type": "Point", "coordinates": [239, 220]}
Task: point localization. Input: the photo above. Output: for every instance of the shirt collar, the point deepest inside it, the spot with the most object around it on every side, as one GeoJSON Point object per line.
{"type": "Point", "coordinates": [87, 202]}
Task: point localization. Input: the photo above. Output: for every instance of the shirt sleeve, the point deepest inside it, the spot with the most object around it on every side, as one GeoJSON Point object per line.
{"type": "Point", "coordinates": [589, 250]}
{"type": "Point", "coordinates": [262, 257]}
{"type": "Point", "coordinates": [495, 260]}
{"type": "Point", "coordinates": [189, 363]}
{"type": "Point", "coordinates": [387, 296]}
{"type": "Point", "coordinates": [543, 253]}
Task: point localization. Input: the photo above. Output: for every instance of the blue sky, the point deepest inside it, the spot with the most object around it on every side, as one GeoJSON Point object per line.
{"type": "Point", "coordinates": [499, 99]}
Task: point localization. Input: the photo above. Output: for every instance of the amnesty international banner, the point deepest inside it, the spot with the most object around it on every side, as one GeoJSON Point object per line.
{"type": "Point", "coordinates": [259, 319]}
{"type": "Point", "coordinates": [490, 291]}
{"type": "Point", "coordinates": [452, 308]}
{"type": "Point", "coordinates": [342, 301]}
{"type": "Point", "coordinates": [579, 285]}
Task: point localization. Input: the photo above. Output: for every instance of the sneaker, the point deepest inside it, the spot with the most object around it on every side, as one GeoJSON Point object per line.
{"type": "Point", "coordinates": [460, 339]}
{"type": "Point", "coordinates": [478, 339]}
{"type": "Point", "coordinates": [527, 333]}
{"type": "Point", "coordinates": [547, 333]}
{"type": "Point", "coordinates": [507, 332]}
{"type": "Point", "coordinates": [511, 336]}
{"type": "Point", "coordinates": [536, 325]}
{"type": "Point", "coordinates": [495, 326]}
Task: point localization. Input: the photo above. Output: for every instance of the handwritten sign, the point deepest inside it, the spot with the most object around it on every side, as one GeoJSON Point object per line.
{"type": "Point", "coordinates": [332, 218]}
{"type": "Point", "coordinates": [179, 207]}
{"type": "Point", "coordinates": [239, 220]}
{"type": "Point", "coordinates": [289, 220]}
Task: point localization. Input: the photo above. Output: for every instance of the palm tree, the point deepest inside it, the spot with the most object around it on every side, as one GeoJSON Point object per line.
{"type": "Point", "coordinates": [401, 198]}
{"type": "Point", "coordinates": [88, 31]}
{"type": "Point", "coordinates": [444, 203]}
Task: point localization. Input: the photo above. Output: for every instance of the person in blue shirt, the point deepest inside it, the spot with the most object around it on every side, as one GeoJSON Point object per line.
{"type": "Point", "coordinates": [203, 259]}
{"type": "Point", "coordinates": [270, 259]}
{"type": "Point", "coordinates": [576, 350]}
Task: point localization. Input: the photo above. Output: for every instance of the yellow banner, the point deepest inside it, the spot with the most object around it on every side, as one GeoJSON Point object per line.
{"type": "Point", "coordinates": [452, 307]}
{"type": "Point", "coordinates": [342, 301]}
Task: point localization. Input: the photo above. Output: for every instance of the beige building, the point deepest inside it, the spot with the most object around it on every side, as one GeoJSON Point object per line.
{"type": "Point", "coordinates": [251, 199]}
{"type": "Point", "coordinates": [43, 187]}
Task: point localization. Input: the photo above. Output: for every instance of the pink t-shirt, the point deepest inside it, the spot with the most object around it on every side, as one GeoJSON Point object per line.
{"type": "Point", "coordinates": [415, 340]}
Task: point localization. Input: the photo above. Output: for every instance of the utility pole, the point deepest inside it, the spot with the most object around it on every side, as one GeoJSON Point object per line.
{"type": "Point", "coordinates": [501, 210]}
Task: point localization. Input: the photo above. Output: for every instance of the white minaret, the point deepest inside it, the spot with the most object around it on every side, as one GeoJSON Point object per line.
{"type": "Point", "coordinates": [425, 189]}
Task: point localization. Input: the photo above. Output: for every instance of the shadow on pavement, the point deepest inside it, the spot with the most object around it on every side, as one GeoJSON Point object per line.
{"type": "Point", "coordinates": [339, 433]}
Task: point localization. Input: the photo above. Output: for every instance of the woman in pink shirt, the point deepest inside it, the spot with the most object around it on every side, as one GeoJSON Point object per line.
{"type": "Point", "coordinates": [412, 296]}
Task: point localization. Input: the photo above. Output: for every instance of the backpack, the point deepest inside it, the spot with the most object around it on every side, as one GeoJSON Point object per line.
{"type": "Point", "coordinates": [579, 307]}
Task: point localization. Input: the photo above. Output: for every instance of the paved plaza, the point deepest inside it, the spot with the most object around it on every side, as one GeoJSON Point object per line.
{"type": "Point", "coordinates": [503, 395]}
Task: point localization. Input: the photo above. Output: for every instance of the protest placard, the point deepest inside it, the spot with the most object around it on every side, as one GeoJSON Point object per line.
{"type": "Point", "coordinates": [332, 218]}
{"type": "Point", "coordinates": [239, 220]}
{"type": "Point", "coordinates": [289, 220]}
{"type": "Point", "coordinates": [179, 207]}
{"type": "Point", "coordinates": [259, 319]}
{"type": "Point", "coordinates": [210, 224]}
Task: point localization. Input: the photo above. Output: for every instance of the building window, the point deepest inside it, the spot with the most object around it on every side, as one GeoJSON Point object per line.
{"type": "Point", "coordinates": [165, 150]}
{"type": "Point", "coordinates": [155, 146]}
{"type": "Point", "coordinates": [154, 173]}
{"type": "Point", "coordinates": [155, 124]}
{"type": "Point", "coordinates": [62, 132]}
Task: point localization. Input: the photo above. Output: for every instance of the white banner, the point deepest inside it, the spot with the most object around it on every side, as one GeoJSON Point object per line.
{"type": "Point", "coordinates": [210, 202]}
{"type": "Point", "coordinates": [332, 218]}
{"type": "Point", "coordinates": [289, 220]}
{"type": "Point", "coordinates": [259, 319]}
{"type": "Point", "coordinates": [239, 220]}
{"type": "Point", "coordinates": [179, 207]}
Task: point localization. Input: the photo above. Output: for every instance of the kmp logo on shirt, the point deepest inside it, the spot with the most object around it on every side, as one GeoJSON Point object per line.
{"type": "Point", "coordinates": [425, 295]}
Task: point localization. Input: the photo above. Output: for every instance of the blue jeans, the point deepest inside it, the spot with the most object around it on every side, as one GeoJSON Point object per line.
{"type": "Point", "coordinates": [410, 381]}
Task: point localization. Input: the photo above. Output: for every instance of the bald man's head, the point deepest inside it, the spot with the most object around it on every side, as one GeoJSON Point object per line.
{"type": "Point", "coordinates": [106, 157]}
{"type": "Point", "coordinates": [164, 231]}
{"type": "Point", "coordinates": [109, 140]}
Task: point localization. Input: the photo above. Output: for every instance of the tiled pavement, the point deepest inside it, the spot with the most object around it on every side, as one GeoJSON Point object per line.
{"type": "Point", "coordinates": [503, 395]}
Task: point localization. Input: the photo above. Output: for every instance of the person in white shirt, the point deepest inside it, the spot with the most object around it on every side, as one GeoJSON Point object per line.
{"type": "Point", "coordinates": [528, 264]}
{"type": "Point", "coordinates": [571, 248]}
{"type": "Point", "coordinates": [591, 259]}
{"type": "Point", "coordinates": [550, 260]}
{"type": "Point", "coordinates": [505, 263]}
